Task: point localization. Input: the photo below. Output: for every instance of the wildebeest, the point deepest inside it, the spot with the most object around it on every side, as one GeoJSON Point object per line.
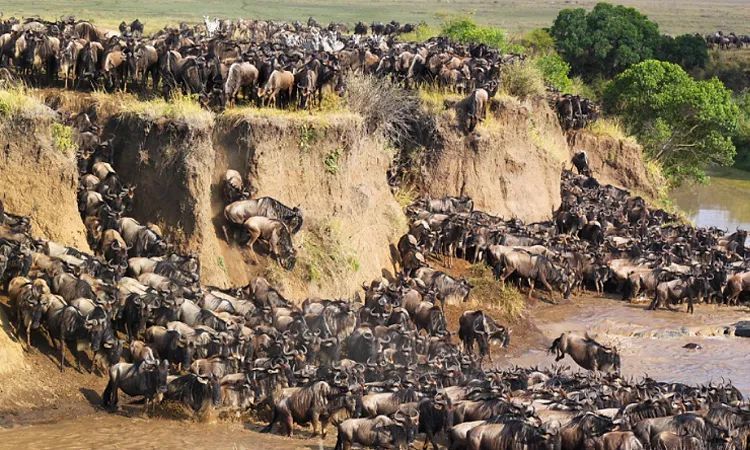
{"type": "Point", "coordinates": [241, 76]}
{"type": "Point", "coordinates": [280, 81]}
{"type": "Point", "coordinates": [477, 326]}
{"type": "Point", "coordinates": [586, 352]}
{"type": "Point", "coordinates": [238, 212]}
{"type": "Point", "coordinates": [196, 391]}
{"type": "Point", "coordinates": [145, 379]}
{"type": "Point", "coordinates": [233, 188]}
{"type": "Point", "coordinates": [304, 405]}
{"type": "Point", "coordinates": [534, 268]}
{"type": "Point", "coordinates": [379, 432]}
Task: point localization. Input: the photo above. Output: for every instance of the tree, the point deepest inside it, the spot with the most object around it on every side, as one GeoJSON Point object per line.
{"type": "Point", "coordinates": [688, 50]}
{"type": "Point", "coordinates": [683, 124]}
{"type": "Point", "coordinates": [742, 137]}
{"type": "Point", "coordinates": [605, 41]}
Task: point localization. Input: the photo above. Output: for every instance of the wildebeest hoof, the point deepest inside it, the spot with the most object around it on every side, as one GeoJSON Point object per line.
{"type": "Point", "coordinates": [692, 346]}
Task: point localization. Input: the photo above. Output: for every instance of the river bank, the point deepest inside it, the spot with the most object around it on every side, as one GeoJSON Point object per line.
{"type": "Point", "coordinates": [650, 342]}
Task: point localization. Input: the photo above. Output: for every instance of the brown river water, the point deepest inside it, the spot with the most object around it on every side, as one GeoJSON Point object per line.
{"type": "Point", "coordinates": [723, 203]}
{"type": "Point", "coordinates": [649, 342]}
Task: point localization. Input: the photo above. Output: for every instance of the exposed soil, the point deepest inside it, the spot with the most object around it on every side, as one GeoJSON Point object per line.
{"type": "Point", "coordinates": [40, 181]}
{"type": "Point", "coordinates": [510, 165]}
{"type": "Point", "coordinates": [615, 162]}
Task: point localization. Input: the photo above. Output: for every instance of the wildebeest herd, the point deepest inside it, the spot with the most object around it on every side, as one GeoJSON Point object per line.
{"type": "Point", "coordinates": [387, 368]}
{"type": "Point", "coordinates": [726, 41]}
{"type": "Point", "coordinates": [264, 62]}
{"type": "Point", "coordinates": [601, 238]}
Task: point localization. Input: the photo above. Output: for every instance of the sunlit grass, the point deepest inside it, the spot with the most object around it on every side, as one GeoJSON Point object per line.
{"type": "Point", "coordinates": [612, 127]}
{"type": "Point", "coordinates": [179, 107]}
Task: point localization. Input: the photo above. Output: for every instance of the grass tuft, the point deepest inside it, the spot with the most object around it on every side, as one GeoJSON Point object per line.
{"type": "Point", "coordinates": [612, 127]}
{"type": "Point", "coordinates": [180, 107]}
{"type": "Point", "coordinates": [62, 137]}
{"type": "Point", "coordinates": [489, 292]}
{"type": "Point", "coordinates": [523, 79]}
{"type": "Point", "coordinates": [15, 101]}
{"type": "Point", "coordinates": [331, 161]}
{"type": "Point", "coordinates": [325, 256]}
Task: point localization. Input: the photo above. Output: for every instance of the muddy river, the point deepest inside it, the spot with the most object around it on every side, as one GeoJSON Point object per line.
{"type": "Point", "coordinates": [723, 203]}
{"type": "Point", "coordinates": [650, 343]}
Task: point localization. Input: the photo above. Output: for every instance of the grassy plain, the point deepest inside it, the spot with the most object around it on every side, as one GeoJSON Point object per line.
{"type": "Point", "coordinates": [674, 16]}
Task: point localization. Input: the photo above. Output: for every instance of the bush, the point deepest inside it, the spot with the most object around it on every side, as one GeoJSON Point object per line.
{"type": "Point", "coordinates": [522, 79]}
{"type": "Point", "coordinates": [687, 50]}
{"type": "Point", "coordinates": [538, 42]}
{"type": "Point", "coordinates": [742, 137]}
{"type": "Point", "coordinates": [730, 67]}
{"type": "Point", "coordinates": [555, 71]}
{"type": "Point", "coordinates": [422, 33]}
{"type": "Point", "coordinates": [466, 31]}
{"type": "Point", "coordinates": [388, 109]}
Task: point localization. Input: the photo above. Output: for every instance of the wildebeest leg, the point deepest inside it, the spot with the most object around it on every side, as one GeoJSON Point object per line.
{"type": "Point", "coordinates": [28, 336]}
{"type": "Point", "coordinates": [315, 424]}
{"type": "Point", "coordinates": [254, 235]}
{"type": "Point", "coordinates": [531, 286]}
{"type": "Point", "coordinates": [62, 352]}
{"type": "Point", "coordinates": [289, 422]}
{"type": "Point", "coordinates": [269, 427]}
{"type": "Point", "coordinates": [690, 305]}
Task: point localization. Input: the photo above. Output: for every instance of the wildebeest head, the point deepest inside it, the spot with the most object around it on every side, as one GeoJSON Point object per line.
{"type": "Point", "coordinates": [96, 325]}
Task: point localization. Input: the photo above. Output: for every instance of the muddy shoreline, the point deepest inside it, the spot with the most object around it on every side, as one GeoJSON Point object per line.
{"type": "Point", "coordinates": [650, 342]}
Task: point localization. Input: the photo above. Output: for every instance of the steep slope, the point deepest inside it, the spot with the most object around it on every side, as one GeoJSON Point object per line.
{"type": "Point", "coordinates": [510, 166]}
{"type": "Point", "coordinates": [38, 176]}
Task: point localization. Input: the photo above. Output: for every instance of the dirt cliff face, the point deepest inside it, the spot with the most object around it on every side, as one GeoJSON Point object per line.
{"type": "Point", "coordinates": [326, 165]}
{"type": "Point", "coordinates": [510, 166]}
{"type": "Point", "coordinates": [39, 180]}
{"type": "Point", "coordinates": [615, 161]}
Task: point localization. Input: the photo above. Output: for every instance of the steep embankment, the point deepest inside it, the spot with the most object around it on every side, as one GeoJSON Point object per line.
{"type": "Point", "coordinates": [325, 164]}
{"type": "Point", "coordinates": [38, 176]}
{"type": "Point", "coordinates": [616, 161]}
{"type": "Point", "coordinates": [510, 167]}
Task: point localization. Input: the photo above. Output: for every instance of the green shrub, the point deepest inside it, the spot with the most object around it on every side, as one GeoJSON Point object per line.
{"type": "Point", "coordinates": [421, 33]}
{"type": "Point", "coordinates": [331, 161]}
{"type": "Point", "coordinates": [685, 125]}
{"type": "Point", "coordinates": [538, 42]}
{"type": "Point", "coordinates": [742, 136]}
{"type": "Point", "coordinates": [554, 71]}
{"type": "Point", "coordinates": [62, 137]}
{"type": "Point", "coordinates": [522, 79]}
{"type": "Point", "coordinates": [466, 31]}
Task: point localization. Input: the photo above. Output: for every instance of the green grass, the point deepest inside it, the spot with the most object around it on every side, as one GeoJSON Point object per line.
{"type": "Point", "coordinates": [491, 293]}
{"type": "Point", "coordinates": [325, 255]}
{"type": "Point", "coordinates": [179, 107]}
{"type": "Point", "coordinates": [16, 102]}
{"type": "Point", "coordinates": [612, 127]}
{"type": "Point", "coordinates": [331, 161]}
{"type": "Point", "coordinates": [62, 137]}
{"type": "Point", "coordinates": [674, 16]}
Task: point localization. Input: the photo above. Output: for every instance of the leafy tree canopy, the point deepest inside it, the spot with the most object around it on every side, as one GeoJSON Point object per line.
{"type": "Point", "coordinates": [688, 50]}
{"type": "Point", "coordinates": [605, 41]}
{"type": "Point", "coordinates": [682, 123]}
